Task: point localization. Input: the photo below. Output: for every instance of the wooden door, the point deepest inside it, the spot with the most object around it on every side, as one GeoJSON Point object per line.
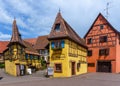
{"type": "Point", "coordinates": [104, 67]}
{"type": "Point", "coordinates": [18, 70]}
{"type": "Point", "coordinates": [73, 68]}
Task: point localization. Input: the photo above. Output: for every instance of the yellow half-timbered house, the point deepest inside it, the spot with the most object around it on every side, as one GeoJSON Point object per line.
{"type": "Point", "coordinates": [67, 50]}
{"type": "Point", "coordinates": [20, 55]}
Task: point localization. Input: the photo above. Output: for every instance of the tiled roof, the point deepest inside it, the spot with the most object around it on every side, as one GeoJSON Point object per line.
{"type": "Point", "coordinates": [3, 45]}
{"type": "Point", "coordinates": [16, 36]}
{"type": "Point", "coordinates": [42, 42]}
{"type": "Point", "coordinates": [66, 31]}
{"type": "Point", "coordinates": [100, 15]}
{"type": "Point", "coordinates": [30, 49]}
{"type": "Point", "coordinates": [31, 40]}
{"type": "Point", "coordinates": [31, 44]}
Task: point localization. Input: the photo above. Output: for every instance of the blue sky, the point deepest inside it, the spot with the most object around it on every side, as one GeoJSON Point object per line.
{"type": "Point", "coordinates": [36, 17]}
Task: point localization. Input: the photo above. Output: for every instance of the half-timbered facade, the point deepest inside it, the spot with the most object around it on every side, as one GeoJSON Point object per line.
{"type": "Point", "coordinates": [20, 55]}
{"type": "Point", "coordinates": [103, 42]}
{"type": "Point", "coordinates": [67, 50]}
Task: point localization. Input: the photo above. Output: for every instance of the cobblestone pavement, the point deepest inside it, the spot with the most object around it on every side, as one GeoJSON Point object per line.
{"type": "Point", "coordinates": [37, 79]}
{"type": "Point", "coordinates": [7, 79]}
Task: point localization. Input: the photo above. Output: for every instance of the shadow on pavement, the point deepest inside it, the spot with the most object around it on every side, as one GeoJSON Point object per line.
{"type": "Point", "coordinates": [1, 78]}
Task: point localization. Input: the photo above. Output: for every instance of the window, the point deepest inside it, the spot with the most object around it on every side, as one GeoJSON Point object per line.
{"type": "Point", "coordinates": [101, 27]}
{"type": "Point", "coordinates": [89, 53]}
{"type": "Point", "coordinates": [103, 39]}
{"type": "Point", "coordinates": [31, 57]}
{"type": "Point", "coordinates": [91, 64]}
{"type": "Point", "coordinates": [58, 44]}
{"type": "Point", "coordinates": [42, 51]}
{"type": "Point", "coordinates": [104, 52]}
{"type": "Point", "coordinates": [10, 50]}
{"type": "Point", "coordinates": [1, 56]}
{"type": "Point", "coordinates": [58, 68]}
{"type": "Point", "coordinates": [35, 57]}
{"type": "Point", "coordinates": [46, 52]}
{"type": "Point", "coordinates": [78, 66]}
{"type": "Point", "coordinates": [89, 41]}
{"type": "Point", "coordinates": [57, 27]}
{"type": "Point", "coordinates": [21, 50]}
{"type": "Point", "coordinates": [26, 56]}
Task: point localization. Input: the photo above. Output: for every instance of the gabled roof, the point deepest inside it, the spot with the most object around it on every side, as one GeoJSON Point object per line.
{"type": "Point", "coordinates": [63, 28]}
{"type": "Point", "coordinates": [3, 46]}
{"type": "Point", "coordinates": [42, 42]}
{"type": "Point", "coordinates": [100, 15]}
{"type": "Point", "coordinates": [16, 36]}
{"type": "Point", "coordinates": [66, 31]}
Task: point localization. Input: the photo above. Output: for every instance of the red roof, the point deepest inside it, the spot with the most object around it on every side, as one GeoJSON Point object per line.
{"type": "Point", "coordinates": [100, 15]}
{"type": "Point", "coordinates": [42, 42]}
{"type": "Point", "coordinates": [16, 36]}
{"type": "Point", "coordinates": [3, 45]}
{"type": "Point", "coordinates": [31, 40]}
{"type": "Point", "coordinates": [30, 49]}
{"type": "Point", "coordinates": [66, 31]}
{"type": "Point", "coordinates": [31, 44]}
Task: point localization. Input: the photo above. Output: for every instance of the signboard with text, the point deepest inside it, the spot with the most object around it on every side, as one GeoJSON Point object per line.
{"type": "Point", "coordinates": [50, 71]}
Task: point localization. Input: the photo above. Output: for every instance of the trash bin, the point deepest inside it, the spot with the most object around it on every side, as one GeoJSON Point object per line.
{"type": "Point", "coordinates": [29, 71]}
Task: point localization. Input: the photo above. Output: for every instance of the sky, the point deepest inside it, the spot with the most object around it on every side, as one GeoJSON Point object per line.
{"type": "Point", "coordinates": [36, 17]}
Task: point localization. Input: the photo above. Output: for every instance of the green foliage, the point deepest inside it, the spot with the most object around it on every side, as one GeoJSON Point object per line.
{"type": "Point", "coordinates": [2, 65]}
{"type": "Point", "coordinates": [43, 67]}
{"type": "Point", "coordinates": [43, 64]}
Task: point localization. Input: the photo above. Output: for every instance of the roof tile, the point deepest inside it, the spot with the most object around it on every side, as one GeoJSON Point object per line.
{"type": "Point", "coordinates": [42, 42]}
{"type": "Point", "coordinates": [66, 31]}
{"type": "Point", "coordinates": [3, 46]}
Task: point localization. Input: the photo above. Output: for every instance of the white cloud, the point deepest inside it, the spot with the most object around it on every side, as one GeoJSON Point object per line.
{"type": "Point", "coordinates": [36, 17]}
{"type": "Point", "coordinates": [4, 36]}
{"type": "Point", "coordinates": [4, 17]}
{"type": "Point", "coordinates": [20, 6]}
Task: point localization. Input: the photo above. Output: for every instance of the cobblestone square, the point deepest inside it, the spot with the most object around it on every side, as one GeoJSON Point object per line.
{"type": "Point", "coordinates": [38, 79]}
